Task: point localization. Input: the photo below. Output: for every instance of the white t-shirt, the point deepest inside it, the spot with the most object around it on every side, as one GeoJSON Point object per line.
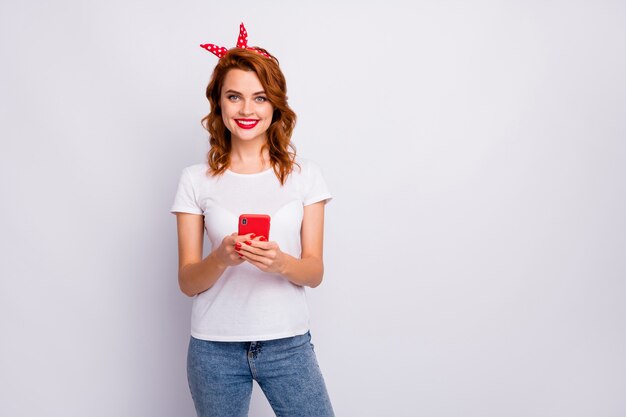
{"type": "Point", "coordinates": [247, 304]}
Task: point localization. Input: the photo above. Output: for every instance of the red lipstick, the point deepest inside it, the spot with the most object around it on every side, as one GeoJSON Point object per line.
{"type": "Point", "coordinates": [246, 123]}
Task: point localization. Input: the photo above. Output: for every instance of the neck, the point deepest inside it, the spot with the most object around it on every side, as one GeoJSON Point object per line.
{"type": "Point", "coordinates": [249, 155]}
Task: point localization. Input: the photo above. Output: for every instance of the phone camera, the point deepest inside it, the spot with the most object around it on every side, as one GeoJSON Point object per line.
{"type": "Point", "coordinates": [244, 221]}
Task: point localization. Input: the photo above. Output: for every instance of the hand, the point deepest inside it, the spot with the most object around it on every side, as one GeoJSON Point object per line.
{"type": "Point", "coordinates": [226, 253]}
{"type": "Point", "coordinates": [265, 255]}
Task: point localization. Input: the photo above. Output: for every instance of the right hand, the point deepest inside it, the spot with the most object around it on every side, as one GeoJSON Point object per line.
{"type": "Point", "coordinates": [226, 253]}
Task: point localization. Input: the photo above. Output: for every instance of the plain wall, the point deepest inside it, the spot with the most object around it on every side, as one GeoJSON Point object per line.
{"type": "Point", "coordinates": [474, 249]}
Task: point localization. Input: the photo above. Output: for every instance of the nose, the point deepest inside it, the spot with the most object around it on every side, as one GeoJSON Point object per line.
{"type": "Point", "coordinates": [245, 109]}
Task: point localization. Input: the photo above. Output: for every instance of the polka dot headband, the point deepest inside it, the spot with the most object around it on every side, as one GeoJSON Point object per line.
{"type": "Point", "coordinates": [242, 42]}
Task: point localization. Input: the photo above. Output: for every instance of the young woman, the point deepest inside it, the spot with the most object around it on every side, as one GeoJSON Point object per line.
{"type": "Point", "coordinates": [249, 316]}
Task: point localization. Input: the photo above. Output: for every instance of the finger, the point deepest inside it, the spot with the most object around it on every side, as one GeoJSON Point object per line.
{"type": "Point", "coordinates": [248, 246]}
{"type": "Point", "coordinates": [260, 244]}
{"type": "Point", "coordinates": [252, 257]}
{"type": "Point", "coordinates": [233, 238]}
{"type": "Point", "coordinates": [237, 254]}
{"type": "Point", "coordinates": [240, 249]}
{"type": "Point", "coordinates": [240, 239]}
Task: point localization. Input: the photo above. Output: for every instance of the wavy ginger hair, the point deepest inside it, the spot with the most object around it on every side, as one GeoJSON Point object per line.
{"type": "Point", "coordinates": [282, 152]}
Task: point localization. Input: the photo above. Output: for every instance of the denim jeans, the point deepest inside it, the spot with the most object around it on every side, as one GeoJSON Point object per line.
{"type": "Point", "coordinates": [220, 377]}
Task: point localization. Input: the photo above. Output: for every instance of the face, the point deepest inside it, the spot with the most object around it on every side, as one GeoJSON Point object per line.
{"type": "Point", "coordinates": [246, 111]}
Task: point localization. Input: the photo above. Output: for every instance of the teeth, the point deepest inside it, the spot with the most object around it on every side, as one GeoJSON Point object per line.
{"type": "Point", "coordinates": [246, 122]}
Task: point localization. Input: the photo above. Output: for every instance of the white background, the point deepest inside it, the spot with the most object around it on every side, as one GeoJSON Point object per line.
{"type": "Point", "coordinates": [474, 248]}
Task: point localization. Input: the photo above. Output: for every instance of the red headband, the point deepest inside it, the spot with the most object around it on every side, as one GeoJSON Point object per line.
{"type": "Point", "coordinates": [242, 42]}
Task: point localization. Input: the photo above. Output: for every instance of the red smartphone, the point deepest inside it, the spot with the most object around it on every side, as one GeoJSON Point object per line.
{"type": "Point", "coordinates": [259, 224]}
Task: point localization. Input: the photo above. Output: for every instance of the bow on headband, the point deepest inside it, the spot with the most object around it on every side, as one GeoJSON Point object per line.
{"type": "Point", "coordinates": [242, 42]}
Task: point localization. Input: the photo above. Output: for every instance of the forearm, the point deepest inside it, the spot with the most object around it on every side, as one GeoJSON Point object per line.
{"type": "Point", "coordinates": [196, 278]}
{"type": "Point", "coordinates": [305, 272]}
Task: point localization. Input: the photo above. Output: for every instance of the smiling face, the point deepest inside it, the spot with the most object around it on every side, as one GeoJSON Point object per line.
{"type": "Point", "coordinates": [246, 111]}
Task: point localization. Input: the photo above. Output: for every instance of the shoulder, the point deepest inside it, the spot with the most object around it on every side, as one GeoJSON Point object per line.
{"type": "Point", "coordinates": [197, 169]}
{"type": "Point", "coordinates": [311, 182]}
{"type": "Point", "coordinates": [196, 172]}
{"type": "Point", "coordinates": [305, 167]}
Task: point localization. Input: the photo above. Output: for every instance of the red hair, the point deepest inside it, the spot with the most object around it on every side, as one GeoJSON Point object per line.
{"type": "Point", "coordinates": [282, 152]}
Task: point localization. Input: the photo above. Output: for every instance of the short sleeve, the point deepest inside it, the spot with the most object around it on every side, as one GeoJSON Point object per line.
{"type": "Point", "coordinates": [185, 198]}
{"type": "Point", "coordinates": [316, 189]}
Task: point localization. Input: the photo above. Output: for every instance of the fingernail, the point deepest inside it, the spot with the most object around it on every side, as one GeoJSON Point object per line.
{"type": "Point", "coordinates": [252, 236]}
{"type": "Point", "coordinates": [248, 243]}
{"type": "Point", "coordinates": [262, 239]}
{"type": "Point", "coordinates": [237, 245]}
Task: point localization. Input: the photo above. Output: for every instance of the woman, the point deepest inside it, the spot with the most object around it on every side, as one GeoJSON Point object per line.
{"type": "Point", "coordinates": [249, 315]}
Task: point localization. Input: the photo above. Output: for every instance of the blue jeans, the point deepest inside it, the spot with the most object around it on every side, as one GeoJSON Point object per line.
{"type": "Point", "coordinates": [220, 377]}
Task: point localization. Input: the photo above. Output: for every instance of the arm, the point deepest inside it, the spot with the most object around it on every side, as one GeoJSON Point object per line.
{"type": "Point", "coordinates": [306, 271]}
{"type": "Point", "coordinates": [195, 274]}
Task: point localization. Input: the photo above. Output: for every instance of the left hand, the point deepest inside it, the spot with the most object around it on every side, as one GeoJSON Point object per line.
{"type": "Point", "coordinates": [265, 255]}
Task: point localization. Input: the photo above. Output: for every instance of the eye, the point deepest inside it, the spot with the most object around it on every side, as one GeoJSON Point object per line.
{"type": "Point", "coordinates": [261, 99]}
{"type": "Point", "coordinates": [232, 97]}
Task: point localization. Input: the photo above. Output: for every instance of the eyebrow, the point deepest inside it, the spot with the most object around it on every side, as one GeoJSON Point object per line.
{"type": "Point", "coordinates": [237, 92]}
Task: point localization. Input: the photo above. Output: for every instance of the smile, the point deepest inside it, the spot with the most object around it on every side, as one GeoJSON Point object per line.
{"type": "Point", "coordinates": [246, 123]}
